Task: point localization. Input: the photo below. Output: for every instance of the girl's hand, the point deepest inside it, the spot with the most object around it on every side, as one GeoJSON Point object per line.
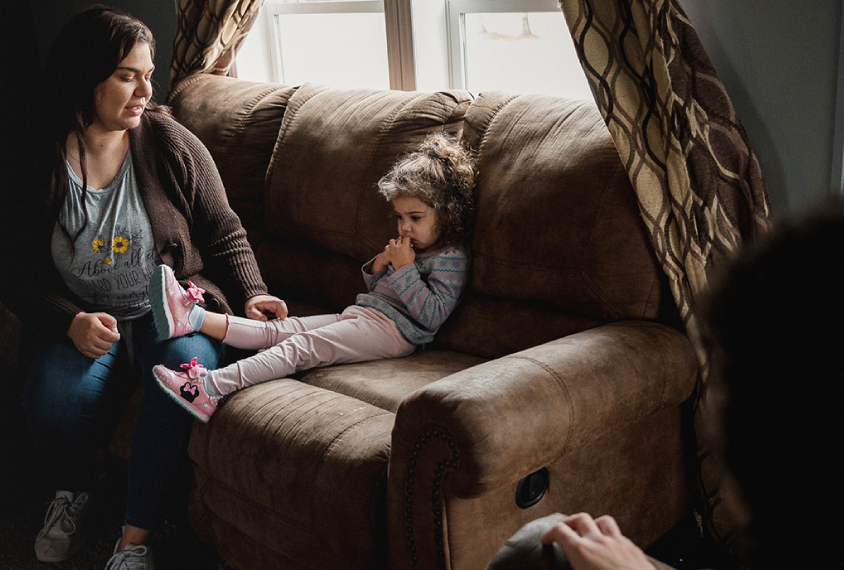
{"type": "Point", "coordinates": [93, 334]}
{"type": "Point", "coordinates": [596, 544]}
{"type": "Point", "coordinates": [257, 306]}
{"type": "Point", "coordinates": [400, 252]}
{"type": "Point", "coordinates": [382, 260]}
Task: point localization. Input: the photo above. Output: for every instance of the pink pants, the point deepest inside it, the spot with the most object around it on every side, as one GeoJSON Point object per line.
{"type": "Point", "coordinates": [300, 343]}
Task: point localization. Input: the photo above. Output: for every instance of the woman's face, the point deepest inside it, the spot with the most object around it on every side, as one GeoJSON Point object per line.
{"type": "Point", "coordinates": [119, 101]}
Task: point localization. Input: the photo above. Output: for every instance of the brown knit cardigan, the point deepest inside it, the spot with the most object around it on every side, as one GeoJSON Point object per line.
{"type": "Point", "coordinates": [195, 231]}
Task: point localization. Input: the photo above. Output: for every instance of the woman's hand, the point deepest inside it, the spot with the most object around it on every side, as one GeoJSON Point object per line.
{"type": "Point", "coordinates": [596, 544]}
{"type": "Point", "coordinates": [256, 307]}
{"type": "Point", "coordinates": [400, 252]}
{"type": "Point", "coordinates": [93, 334]}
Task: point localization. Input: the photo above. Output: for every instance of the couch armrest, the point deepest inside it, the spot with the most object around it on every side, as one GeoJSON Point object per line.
{"type": "Point", "coordinates": [464, 439]}
{"type": "Point", "coordinates": [510, 416]}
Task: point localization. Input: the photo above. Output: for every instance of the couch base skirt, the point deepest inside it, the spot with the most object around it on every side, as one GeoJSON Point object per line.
{"type": "Point", "coordinates": [293, 476]}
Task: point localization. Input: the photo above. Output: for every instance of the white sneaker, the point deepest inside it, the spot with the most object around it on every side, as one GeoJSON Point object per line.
{"type": "Point", "coordinates": [63, 533]}
{"type": "Point", "coordinates": [133, 557]}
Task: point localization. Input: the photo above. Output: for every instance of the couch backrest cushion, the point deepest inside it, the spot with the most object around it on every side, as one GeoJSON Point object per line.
{"type": "Point", "coordinates": [333, 147]}
{"type": "Point", "coordinates": [238, 121]}
{"type": "Point", "coordinates": [557, 218]}
{"type": "Point", "coordinates": [559, 244]}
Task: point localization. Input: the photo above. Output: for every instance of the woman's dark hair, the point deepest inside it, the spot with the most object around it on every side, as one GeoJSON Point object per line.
{"type": "Point", "coordinates": [441, 174]}
{"type": "Point", "coordinates": [86, 52]}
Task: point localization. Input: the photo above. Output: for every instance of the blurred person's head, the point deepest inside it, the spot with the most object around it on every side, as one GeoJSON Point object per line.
{"type": "Point", "coordinates": [774, 326]}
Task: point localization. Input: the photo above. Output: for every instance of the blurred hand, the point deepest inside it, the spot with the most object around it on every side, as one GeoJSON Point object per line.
{"type": "Point", "coordinates": [259, 306]}
{"type": "Point", "coordinates": [596, 544]}
{"type": "Point", "coordinates": [93, 334]}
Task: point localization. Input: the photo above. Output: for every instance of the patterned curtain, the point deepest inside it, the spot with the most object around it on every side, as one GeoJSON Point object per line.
{"type": "Point", "coordinates": [698, 183]}
{"type": "Point", "coordinates": [208, 35]}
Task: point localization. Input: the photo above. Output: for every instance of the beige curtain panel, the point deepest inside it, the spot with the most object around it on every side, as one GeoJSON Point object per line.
{"type": "Point", "coordinates": [698, 183]}
{"type": "Point", "coordinates": [208, 35]}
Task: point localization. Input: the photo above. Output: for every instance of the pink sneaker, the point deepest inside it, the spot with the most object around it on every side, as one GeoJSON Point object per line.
{"type": "Point", "coordinates": [171, 304]}
{"type": "Point", "coordinates": [188, 389]}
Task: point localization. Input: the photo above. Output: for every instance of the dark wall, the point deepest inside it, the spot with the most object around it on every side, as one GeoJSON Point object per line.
{"type": "Point", "coordinates": [48, 16]}
{"type": "Point", "coordinates": [779, 61]}
{"type": "Point", "coordinates": [20, 53]}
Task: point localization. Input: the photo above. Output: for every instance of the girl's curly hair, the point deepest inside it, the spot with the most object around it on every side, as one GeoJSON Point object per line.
{"type": "Point", "coordinates": [441, 174]}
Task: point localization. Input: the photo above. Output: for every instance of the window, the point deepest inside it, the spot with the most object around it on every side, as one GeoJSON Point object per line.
{"type": "Point", "coordinates": [490, 45]}
{"type": "Point", "coordinates": [339, 43]}
{"type": "Point", "coordinates": [520, 46]}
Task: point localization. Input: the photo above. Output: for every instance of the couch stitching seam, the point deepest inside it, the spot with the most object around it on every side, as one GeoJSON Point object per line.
{"type": "Point", "coordinates": [293, 112]}
{"type": "Point", "coordinates": [382, 132]}
{"type": "Point", "coordinates": [498, 108]}
{"type": "Point", "coordinates": [430, 432]}
{"type": "Point", "coordinates": [248, 108]}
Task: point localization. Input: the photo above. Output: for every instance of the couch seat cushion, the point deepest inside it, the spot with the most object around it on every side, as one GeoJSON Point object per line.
{"type": "Point", "coordinates": [385, 383]}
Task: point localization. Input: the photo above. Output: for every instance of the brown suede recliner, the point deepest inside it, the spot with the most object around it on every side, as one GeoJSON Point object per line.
{"type": "Point", "coordinates": [561, 362]}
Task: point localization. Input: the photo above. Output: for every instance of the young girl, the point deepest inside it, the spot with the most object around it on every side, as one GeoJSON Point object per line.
{"type": "Point", "coordinates": [414, 285]}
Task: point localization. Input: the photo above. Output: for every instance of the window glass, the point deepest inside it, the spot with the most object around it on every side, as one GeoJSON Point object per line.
{"type": "Point", "coordinates": [430, 44]}
{"type": "Point", "coordinates": [521, 53]}
{"type": "Point", "coordinates": [345, 50]}
{"type": "Point", "coordinates": [253, 60]}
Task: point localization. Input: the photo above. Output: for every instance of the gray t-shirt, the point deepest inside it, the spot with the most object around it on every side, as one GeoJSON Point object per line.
{"type": "Point", "coordinates": [115, 255]}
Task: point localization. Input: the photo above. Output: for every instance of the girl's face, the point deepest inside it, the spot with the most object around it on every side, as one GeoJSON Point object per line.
{"type": "Point", "coordinates": [119, 101]}
{"type": "Point", "coordinates": [417, 221]}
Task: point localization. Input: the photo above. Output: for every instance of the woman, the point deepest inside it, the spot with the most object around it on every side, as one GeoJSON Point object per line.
{"type": "Point", "coordinates": [123, 188]}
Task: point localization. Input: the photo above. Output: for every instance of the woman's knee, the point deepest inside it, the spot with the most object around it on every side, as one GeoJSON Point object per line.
{"type": "Point", "coordinates": [63, 387]}
{"type": "Point", "coordinates": [206, 350]}
{"type": "Point", "coordinates": [175, 352]}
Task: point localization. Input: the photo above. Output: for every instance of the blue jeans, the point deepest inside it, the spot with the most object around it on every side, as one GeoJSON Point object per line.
{"type": "Point", "coordinates": [73, 402]}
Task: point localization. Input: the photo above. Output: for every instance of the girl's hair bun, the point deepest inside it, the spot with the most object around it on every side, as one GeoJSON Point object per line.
{"type": "Point", "coordinates": [440, 173]}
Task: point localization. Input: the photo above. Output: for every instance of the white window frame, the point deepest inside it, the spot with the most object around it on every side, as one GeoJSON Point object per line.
{"type": "Point", "coordinates": [399, 33]}
{"type": "Point", "coordinates": [457, 25]}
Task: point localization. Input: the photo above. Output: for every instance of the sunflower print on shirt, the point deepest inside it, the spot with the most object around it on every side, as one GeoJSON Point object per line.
{"type": "Point", "coordinates": [119, 244]}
